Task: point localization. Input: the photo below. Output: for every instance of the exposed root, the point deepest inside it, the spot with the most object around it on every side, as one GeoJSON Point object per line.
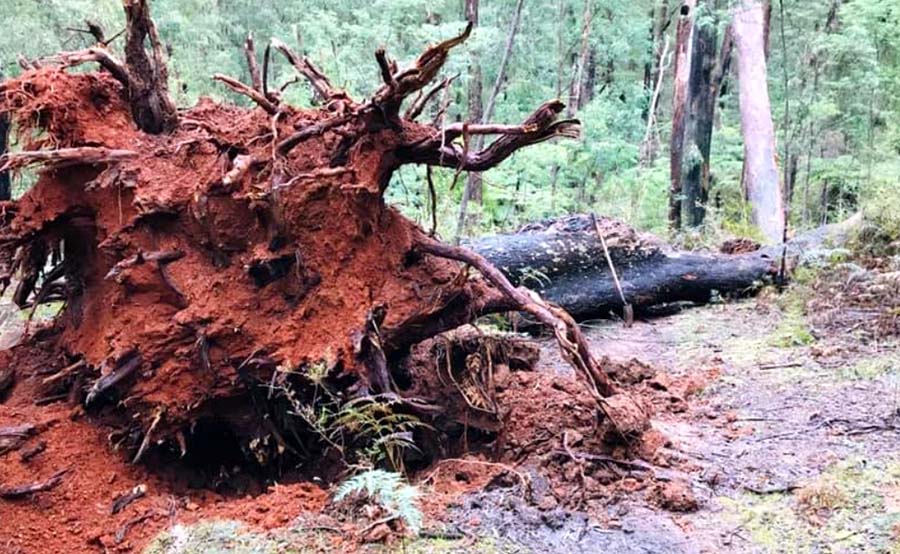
{"type": "Point", "coordinates": [64, 157]}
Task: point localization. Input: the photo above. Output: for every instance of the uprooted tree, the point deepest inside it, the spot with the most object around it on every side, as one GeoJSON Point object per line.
{"type": "Point", "coordinates": [205, 252]}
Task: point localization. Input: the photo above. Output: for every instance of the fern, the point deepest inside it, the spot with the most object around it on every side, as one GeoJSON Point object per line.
{"type": "Point", "coordinates": [398, 498]}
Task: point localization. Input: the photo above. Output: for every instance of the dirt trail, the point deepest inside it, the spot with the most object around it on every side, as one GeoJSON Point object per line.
{"type": "Point", "coordinates": [791, 446]}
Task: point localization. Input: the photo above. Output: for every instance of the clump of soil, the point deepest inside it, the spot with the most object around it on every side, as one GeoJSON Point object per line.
{"type": "Point", "coordinates": [675, 496]}
{"type": "Point", "coordinates": [76, 515]}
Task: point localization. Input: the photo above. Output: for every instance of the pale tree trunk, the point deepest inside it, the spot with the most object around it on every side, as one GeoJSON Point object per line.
{"type": "Point", "coordinates": [474, 183]}
{"type": "Point", "coordinates": [659, 17]}
{"type": "Point", "coordinates": [680, 98]}
{"type": "Point", "coordinates": [576, 99]}
{"type": "Point", "coordinates": [653, 77]}
{"type": "Point", "coordinates": [473, 191]}
{"type": "Point", "coordinates": [761, 181]}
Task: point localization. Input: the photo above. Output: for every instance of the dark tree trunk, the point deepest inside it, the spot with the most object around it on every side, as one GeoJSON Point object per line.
{"type": "Point", "coordinates": [699, 125]}
{"type": "Point", "coordinates": [5, 182]}
{"type": "Point", "coordinates": [152, 108]}
{"type": "Point", "coordinates": [564, 261]}
{"type": "Point", "coordinates": [680, 99]}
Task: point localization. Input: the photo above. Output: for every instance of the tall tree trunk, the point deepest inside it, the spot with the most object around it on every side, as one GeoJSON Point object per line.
{"type": "Point", "coordinates": [576, 96]}
{"type": "Point", "coordinates": [576, 85]}
{"type": "Point", "coordinates": [504, 62]}
{"type": "Point", "coordinates": [560, 72]}
{"type": "Point", "coordinates": [5, 182]}
{"type": "Point", "coordinates": [699, 126]}
{"type": "Point", "coordinates": [474, 183]}
{"type": "Point", "coordinates": [761, 180]}
{"type": "Point", "coordinates": [680, 99]}
{"type": "Point", "coordinates": [474, 189]}
{"type": "Point", "coordinates": [659, 22]}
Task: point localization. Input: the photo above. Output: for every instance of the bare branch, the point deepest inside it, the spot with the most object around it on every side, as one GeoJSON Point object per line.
{"type": "Point", "coordinates": [253, 94]}
{"type": "Point", "coordinates": [96, 54]}
{"type": "Point", "coordinates": [538, 127]}
{"type": "Point", "coordinates": [64, 157]}
{"type": "Point", "coordinates": [416, 108]}
{"type": "Point", "coordinates": [416, 77]}
{"type": "Point", "coordinates": [316, 78]}
{"type": "Point", "coordinates": [387, 75]}
{"type": "Point", "coordinates": [252, 66]}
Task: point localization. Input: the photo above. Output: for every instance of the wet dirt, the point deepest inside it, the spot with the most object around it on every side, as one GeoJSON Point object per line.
{"type": "Point", "coordinates": [752, 419]}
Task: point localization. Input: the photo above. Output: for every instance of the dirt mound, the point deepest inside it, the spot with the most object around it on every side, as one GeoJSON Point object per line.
{"type": "Point", "coordinates": [77, 514]}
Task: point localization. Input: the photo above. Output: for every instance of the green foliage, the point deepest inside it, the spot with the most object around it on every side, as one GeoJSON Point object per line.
{"type": "Point", "coordinates": [388, 489]}
{"type": "Point", "coordinates": [381, 433]}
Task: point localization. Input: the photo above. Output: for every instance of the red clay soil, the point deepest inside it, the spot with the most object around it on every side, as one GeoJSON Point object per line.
{"type": "Point", "coordinates": [75, 516]}
{"type": "Point", "coordinates": [202, 322]}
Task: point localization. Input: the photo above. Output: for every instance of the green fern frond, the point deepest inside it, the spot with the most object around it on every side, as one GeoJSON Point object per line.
{"type": "Point", "coordinates": [388, 489]}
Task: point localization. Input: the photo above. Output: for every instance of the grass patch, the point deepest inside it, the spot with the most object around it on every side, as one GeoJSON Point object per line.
{"type": "Point", "coordinates": [873, 368]}
{"type": "Point", "coordinates": [793, 330]}
{"type": "Point", "coordinates": [854, 506]}
{"type": "Point", "coordinates": [215, 537]}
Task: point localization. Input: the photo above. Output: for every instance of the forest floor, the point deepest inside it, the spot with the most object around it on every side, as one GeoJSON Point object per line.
{"type": "Point", "coordinates": [793, 446]}
{"type": "Point", "coordinates": [778, 436]}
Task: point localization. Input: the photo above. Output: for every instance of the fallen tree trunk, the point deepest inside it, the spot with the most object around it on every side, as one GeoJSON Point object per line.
{"type": "Point", "coordinates": [563, 260]}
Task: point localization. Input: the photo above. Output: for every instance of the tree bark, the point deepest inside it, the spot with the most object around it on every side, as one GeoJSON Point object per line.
{"type": "Point", "coordinates": [474, 188]}
{"type": "Point", "coordinates": [152, 108]}
{"type": "Point", "coordinates": [702, 91]}
{"type": "Point", "coordinates": [564, 261]}
{"type": "Point", "coordinates": [680, 97]}
{"type": "Point", "coordinates": [5, 181]}
{"type": "Point", "coordinates": [761, 179]}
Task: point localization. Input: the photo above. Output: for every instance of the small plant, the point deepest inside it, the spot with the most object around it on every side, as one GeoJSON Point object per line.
{"type": "Point", "coordinates": [388, 490]}
{"type": "Point", "coordinates": [379, 431]}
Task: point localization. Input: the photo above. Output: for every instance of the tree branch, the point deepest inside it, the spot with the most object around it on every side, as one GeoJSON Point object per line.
{"type": "Point", "coordinates": [320, 83]}
{"type": "Point", "coordinates": [64, 157]}
{"type": "Point", "coordinates": [252, 65]}
{"type": "Point", "coordinates": [96, 54]}
{"type": "Point", "coordinates": [416, 108]}
{"type": "Point", "coordinates": [253, 94]}
{"type": "Point", "coordinates": [423, 71]}
{"type": "Point", "coordinates": [538, 127]}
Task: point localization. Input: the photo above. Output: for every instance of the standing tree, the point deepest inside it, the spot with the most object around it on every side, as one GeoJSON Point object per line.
{"type": "Point", "coordinates": [762, 186]}
{"type": "Point", "coordinates": [474, 188]}
{"type": "Point", "coordinates": [706, 74]}
{"type": "Point", "coordinates": [680, 98]}
{"type": "Point", "coordinates": [474, 183]}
